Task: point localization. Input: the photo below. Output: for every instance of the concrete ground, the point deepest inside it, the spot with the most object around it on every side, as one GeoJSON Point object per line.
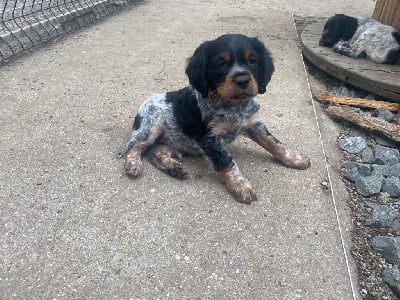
{"type": "Point", "coordinates": [74, 226]}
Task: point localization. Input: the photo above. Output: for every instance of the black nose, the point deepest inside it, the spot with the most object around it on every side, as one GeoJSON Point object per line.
{"type": "Point", "coordinates": [242, 80]}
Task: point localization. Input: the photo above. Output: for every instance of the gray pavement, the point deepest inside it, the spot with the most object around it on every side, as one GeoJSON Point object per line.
{"type": "Point", "coordinates": [73, 226]}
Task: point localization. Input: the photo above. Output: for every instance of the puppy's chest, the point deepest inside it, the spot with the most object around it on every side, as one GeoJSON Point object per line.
{"type": "Point", "coordinates": [228, 127]}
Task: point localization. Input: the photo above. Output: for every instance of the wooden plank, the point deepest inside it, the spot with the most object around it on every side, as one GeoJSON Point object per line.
{"type": "Point", "coordinates": [396, 21]}
{"type": "Point", "coordinates": [379, 79]}
{"type": "Point", "coordinates": [388, 12]}
{"type": "Point", "coordinates": [390, 130]}
{"type": "Point", "coordinates": [378, 9]}
{"type": "Point", "coordinates": [359, 102]}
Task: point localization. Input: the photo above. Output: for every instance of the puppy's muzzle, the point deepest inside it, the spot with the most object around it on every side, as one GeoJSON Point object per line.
{"type": "Point", "coordinates": [241, 80]}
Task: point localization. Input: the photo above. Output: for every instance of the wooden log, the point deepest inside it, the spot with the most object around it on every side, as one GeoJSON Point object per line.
{"type": "Point", "coordinates": [363, 120]}
{"type": "Point", "coordinates": [359, 102]}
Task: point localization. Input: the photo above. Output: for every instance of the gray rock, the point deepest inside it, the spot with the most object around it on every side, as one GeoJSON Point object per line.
{"type": "Point", "coordinates": [386, 170]}
{"type": "Point", "coordinates": [386, 155]}
{"type": "Point", "coordinates": [392, 278]}
{"type": "Point", "coordinates": [391, 185]}
{"type": "Point", "coordinates": [394, 170]}
{"type": "Point", "coordinates": [353, 144]}
{"type": "Point", "coordinates": [382, 215]}
{"type": "Point", "coordinates": [389, 247]}
{"type": "Point", "coordinates": [367, 156]}
{"type": "Point", "coordinates": [355, 170]}
{"type": "Point", "coordinates": [369, 185]}
{"type": "Point", "coordinates": [344, 91]}
{"type": "Point", "coordinates": [384, 198]}
{"type": "Point", "coordinates": [383, 114]}
{"type": "Point", "coordinates": [384, 141]}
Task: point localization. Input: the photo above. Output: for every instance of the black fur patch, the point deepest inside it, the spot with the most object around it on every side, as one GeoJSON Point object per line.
{"type": "Point", "coordinates": [394, 56]}
{"type": "Point", "coordinates": [339, 27]}
{"type": "Point", "coordinates": [137, 122]}
{"type": "Point", "coordinates": [215, 152]}
{"type": "Point", "coordinates": [187, 112]}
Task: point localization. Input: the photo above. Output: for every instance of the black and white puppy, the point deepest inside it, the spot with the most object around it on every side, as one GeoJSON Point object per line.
{"type": "Point", "coordinates": [225, 75]}
{"type": "Point", "coordinates": [362, 37]}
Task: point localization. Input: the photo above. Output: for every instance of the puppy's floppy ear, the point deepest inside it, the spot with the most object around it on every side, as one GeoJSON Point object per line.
{"type": "Point", "coordinates": [266, 67]}
{"type": "Point", "coordinates": [344, 26]}
{"type": "Point", "coordinates": [196, 69]}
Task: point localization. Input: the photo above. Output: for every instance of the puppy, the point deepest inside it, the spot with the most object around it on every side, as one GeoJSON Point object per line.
{"type": "Point", "coordinates": [225, 75]}
{"type": "Point", "coordinates": [362, 37]}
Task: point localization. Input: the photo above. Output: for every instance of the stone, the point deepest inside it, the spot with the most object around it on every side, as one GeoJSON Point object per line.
{"type": "Point", "coordinates": [385, 141]}
{"type": "Point", "coordinates": [386, 170]}
{"type": "Point", "coordinates": [386, 155]}
{"type": "Point", "coordinates": [367, 156]}
{"type": "Point", "coordinates": [391, 185]}
{"type": "Point", "coordinates": [383, 114]}
{"type": "Point", "coordinates": [389, 247]}
{"type": "Point", "coordinates": [353, 144]}
{"type": "Point", "coordinates": [394, 170]}
{"type": "Point", "coordinates": [382, 215]}
{"type": "Point", "coordinates": [355, 170]}
{"type": "Point", "coordinates": [384, 198]}
{"type": "Point", "coordinates": [392, 278]}
{"type": "Point", "coordinates": [369, 185]}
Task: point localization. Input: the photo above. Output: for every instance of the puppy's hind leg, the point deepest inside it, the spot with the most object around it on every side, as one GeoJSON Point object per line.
{"type": "Point", "coordinates": [167, 160]}
{"type": "Point", "coordinates": [259, 133]}
{"type": "Point", "coordinates": [144, 134]}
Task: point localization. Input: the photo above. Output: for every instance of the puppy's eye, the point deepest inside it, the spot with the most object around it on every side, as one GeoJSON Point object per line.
{"type": "Point", "coordinates": [252, 60]}
{"type": "Point", "coordinates": [220, 63]}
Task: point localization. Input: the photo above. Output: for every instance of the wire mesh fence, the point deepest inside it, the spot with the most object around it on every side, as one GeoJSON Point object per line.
{"type": "Point", "coordinates": [25, 24]}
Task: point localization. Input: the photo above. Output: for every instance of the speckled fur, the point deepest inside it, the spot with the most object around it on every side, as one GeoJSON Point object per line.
{"type": "Point", "coordinates": [218, 106]}
{"type": "Point", "coordinates": [371, 39]}
{"type": "Point", "coordinates": [158, 112]}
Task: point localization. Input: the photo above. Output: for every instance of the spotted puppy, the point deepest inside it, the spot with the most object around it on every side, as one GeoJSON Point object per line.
{"type": "Point", "coordinates": [362, 37]}
{"type": "Point", "coordinates": [225, 75]}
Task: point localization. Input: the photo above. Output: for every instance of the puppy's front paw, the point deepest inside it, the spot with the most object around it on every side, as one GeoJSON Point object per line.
{"type": "Point", "coordinates": [133, 166]}
{"type": "Point", "coordinates": [239, 186]}
{"type": "Point", "coordinates": [242, 191]}
{"type": "Point", "coordinates": [297, 160]}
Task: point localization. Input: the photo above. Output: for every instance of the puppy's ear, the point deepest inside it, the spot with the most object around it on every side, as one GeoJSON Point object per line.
{"type": "Point", "coordinates": [344, 26]}
{"type": "Point", "coordinates": [196, 69]}
{"type": "Point", "coordinates": [266, 65]}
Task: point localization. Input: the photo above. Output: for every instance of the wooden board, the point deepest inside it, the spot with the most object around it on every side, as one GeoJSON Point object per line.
{"type": "Point", "coordinates": [388, 12]}
{"type": "Point", "coordinates": [383, 80]}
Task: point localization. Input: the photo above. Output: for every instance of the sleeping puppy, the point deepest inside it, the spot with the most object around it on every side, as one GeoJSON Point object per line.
{"type": "Point", "coordinates": [362, 37]}
{"type": "Point", "coordinates": [225, 75]}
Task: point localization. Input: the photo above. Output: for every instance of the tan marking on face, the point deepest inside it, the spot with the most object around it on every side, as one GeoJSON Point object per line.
{"type": "Point", "coordinates": [228, 91]}
{"type": "Point", "coordinates": [289, 158]}
{"type": "Point", "coordinates": [247, 54]}
{"type": "Point", "coordinates": [238, 185]}
{"type": "Point", "coordinates": [226, 56]}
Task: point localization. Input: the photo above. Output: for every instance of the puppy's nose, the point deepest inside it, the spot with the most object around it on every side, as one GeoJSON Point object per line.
{"type": "Point", "coordinates": [242, 80]}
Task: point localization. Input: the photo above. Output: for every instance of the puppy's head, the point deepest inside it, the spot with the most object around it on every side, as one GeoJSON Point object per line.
{"type": "Point", "coordinates": [234, 66]}
{"type": "Point", "coordinates": [339, 27]}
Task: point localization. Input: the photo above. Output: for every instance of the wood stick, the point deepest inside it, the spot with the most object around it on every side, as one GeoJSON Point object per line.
{"type": "Point", "coordinates": [363, 120]}
{"type": "Point", "coordinates": [360, 102]}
